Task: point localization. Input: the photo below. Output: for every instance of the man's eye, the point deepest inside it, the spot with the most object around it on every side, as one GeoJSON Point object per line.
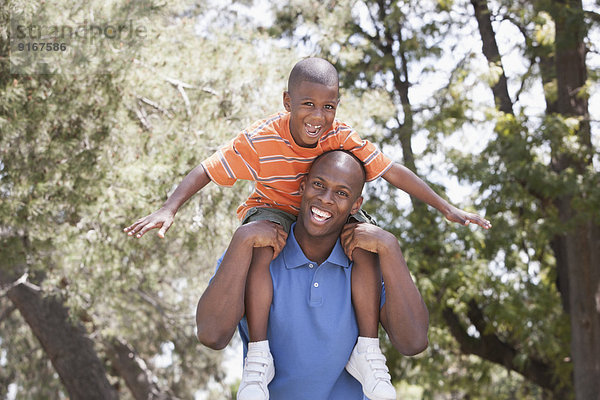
{"type": "Point", "coordinates": [344, 194]}
{"type": "Point", "coordinates": [318, 184]}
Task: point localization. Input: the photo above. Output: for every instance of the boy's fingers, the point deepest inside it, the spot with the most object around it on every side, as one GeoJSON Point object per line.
{"type": "Point", "coordinates": [146, 228]}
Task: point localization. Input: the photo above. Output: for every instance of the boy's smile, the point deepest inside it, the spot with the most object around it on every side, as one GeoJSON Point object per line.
{"type": "Point", "coordinates": [312, 108]}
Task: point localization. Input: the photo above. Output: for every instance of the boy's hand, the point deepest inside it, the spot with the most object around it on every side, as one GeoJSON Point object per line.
{"type": "Point", "coordinates": [465, 218]}
{"type": "Point", "coordinates": [365, 236]}
{"type": "Point", "coordinates": [162, 218]}
{"type": "Point", "coordinates": [265, 234]}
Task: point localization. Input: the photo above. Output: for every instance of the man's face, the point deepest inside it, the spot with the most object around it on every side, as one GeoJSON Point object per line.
{"type": "Point", "coordinates": [331, 192]}
{"type": "Point", "coordinates": [312, 108]}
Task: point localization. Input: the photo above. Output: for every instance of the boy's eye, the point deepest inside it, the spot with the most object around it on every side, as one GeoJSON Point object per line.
{"type": "Point", "coordinates": [308, 103]}
{"type": "Point", "coordinates": [342, 193]}
{"type": "Point", "coordinates": [329, 107]}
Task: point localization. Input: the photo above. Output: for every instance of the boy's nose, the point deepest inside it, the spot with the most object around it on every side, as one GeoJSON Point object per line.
{"type": "Point", "coordinates": [318, 116]}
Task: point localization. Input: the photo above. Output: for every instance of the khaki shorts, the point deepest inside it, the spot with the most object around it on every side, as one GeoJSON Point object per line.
{"type": "Point", "coordinates": [286, 219]}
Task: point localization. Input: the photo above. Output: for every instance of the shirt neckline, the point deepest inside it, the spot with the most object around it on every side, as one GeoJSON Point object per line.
{"type": "Point", "coordinates": [294, 257]}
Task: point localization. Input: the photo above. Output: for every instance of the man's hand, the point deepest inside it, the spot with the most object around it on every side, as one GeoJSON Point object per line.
{"type": "Point", "coordinates": [464, 218]}
{"type": "Point", "coordinates": [162, 218]}
{"type": "Point", "coordinates": [264, 234]}
{"type": "Point", "coordinates": [365, 236]}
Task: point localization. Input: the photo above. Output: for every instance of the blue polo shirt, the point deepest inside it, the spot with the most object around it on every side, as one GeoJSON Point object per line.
{"type": "Point", "coordinates": [312, 326]}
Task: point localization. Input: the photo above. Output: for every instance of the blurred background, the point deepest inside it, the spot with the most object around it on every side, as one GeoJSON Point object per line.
{"type": "Point", "coordinates": [106, 105]}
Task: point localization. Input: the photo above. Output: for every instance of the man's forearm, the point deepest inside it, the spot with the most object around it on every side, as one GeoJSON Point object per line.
{"type": "Point", "coordinates": [195, 180]}
{"type": "Point", "coordinates": [406, 180]}
{"type": "Point", "coordinates": [221, 306]}
{"type": "Point", "coordinates": [405, 316]}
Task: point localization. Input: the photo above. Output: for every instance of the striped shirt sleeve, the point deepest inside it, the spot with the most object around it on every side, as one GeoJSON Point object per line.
{"type": "Point", "coordinates": [376, 163]}
{"type": "Point", "coordinates": [236, 160]}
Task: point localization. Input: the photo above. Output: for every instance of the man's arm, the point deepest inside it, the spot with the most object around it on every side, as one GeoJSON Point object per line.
{"type": "Point", "coordinates": [406, 180]}
{"type": "Point", "coordinates": [163, 217]}
{"type": "Point", "coordinates": [404, 315]}
{"type": "Point", "coordinates": [221, 306]}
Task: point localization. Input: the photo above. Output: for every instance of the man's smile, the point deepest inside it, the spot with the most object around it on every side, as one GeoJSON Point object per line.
{"type": "Point", "coordinates": [319, 215]}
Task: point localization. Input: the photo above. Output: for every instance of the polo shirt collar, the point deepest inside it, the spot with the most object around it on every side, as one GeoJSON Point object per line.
{"type": "Point", "coordinates": [294, 257]}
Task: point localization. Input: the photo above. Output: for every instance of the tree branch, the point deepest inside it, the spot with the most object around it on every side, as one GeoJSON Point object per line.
{"type": "Point", "coordinates": [66, 344]}
{"type": "Point", "coordinates": [492, 54]}
{"type": "Point", "coordinates": [490, 347]}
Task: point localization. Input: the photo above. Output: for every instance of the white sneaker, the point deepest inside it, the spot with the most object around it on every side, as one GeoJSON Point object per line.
{"type": "Point", "coordinates": [368, 367]}
{"type": "Point", "coordinates": [259, 370]}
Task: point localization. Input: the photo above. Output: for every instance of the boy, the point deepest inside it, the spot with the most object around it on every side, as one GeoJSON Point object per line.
{"type": "Point", "coordinates": [277, 153]}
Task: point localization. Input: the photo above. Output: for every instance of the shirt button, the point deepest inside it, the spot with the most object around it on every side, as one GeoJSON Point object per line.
{"type": "Point", "coordinates": [310, 265]}
{"type": "Point", "coordinates": [316, 284]}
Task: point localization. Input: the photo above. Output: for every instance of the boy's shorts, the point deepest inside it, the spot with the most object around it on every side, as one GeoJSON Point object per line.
{"type": "Point", "coordinates": [286, 219]}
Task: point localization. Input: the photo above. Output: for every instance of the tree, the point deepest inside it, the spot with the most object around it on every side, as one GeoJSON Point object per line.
{"type": "Point", "coordinates": [86, 149]}
{"type": "Point", "coordinates": [537, 178]}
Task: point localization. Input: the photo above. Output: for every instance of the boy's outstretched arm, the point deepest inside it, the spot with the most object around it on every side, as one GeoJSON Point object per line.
{"type": "Point", "coordinates": [406, 180]}
{"type": "Point", "coordinates": [163, 217]}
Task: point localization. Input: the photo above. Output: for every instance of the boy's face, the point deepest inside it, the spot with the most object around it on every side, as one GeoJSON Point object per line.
{"type": "Point", "coordinates": [312, 108]}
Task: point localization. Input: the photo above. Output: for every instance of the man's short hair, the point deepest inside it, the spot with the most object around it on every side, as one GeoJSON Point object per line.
{"type": "Point", "coordinates": [358, 160]}
{"type": "Point", "coordinates": [313, 69]}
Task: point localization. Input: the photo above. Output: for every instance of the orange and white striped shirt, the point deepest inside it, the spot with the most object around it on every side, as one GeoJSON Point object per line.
{"type": "Point", "coordinates": [267, 154]}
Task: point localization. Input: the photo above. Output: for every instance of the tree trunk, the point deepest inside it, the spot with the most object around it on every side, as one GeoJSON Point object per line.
{"type": "Point", "coordinates": [132, 368]}
{"type": "Point", "coordinates": [67, 345]}
{"type": "Point", "coordinates": [583, 239]}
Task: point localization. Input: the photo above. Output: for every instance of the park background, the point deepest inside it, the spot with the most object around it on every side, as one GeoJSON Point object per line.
{"type": "Point", "coordinates": [493, 103]}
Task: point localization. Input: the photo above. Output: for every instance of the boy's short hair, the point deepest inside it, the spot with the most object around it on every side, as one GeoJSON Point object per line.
{"type": "Point", "coordinates": [313, 69]}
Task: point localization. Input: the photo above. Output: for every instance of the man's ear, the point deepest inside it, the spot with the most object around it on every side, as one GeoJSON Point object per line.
{"type": "Point", "coordinates": [287, 101]}
{"type": "Point", "coordinates": [356, 205]}
{"type": "Point", "coordinates": [302, 186]}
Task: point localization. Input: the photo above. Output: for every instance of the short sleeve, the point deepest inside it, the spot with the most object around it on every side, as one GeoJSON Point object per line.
{"type": "Point", "coordinates": [236, 160]}
{"type": "Point", "coordinates": [375, 162]}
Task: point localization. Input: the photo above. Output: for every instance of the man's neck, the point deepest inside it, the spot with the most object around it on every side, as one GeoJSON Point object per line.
{"type": "Point", "coordinates": [316, 249]}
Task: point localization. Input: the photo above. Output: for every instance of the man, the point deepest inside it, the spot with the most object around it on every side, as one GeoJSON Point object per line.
{"type": "Point", "coordinates": [312, 326]}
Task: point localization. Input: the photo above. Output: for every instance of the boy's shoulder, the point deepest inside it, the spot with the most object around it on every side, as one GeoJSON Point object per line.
{"type": "Point", "coordinates": [272, 125]}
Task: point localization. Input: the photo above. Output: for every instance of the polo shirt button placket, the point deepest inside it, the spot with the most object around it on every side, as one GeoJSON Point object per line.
{"type": "Point", "coordinates": [315, 296]}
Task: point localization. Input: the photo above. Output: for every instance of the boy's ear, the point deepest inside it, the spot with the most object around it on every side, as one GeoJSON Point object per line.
{"type": "Point", "coordinates": [356, 205]}
{"type": "Point", "coordinates": [287, 101]}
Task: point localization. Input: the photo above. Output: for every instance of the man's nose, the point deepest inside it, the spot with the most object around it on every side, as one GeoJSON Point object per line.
{"type": "Point", "coordinates": [327, 197]}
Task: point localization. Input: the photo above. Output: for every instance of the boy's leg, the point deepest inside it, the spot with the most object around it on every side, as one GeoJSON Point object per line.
{"type": "Point", "coordinates": [259, 368]}
{"type": "Point", "coordinates": [366, 292]}
{"type": "Point", "coordinates": [367, 362]}
{"type": "Point", "coordinates": [259, 293]}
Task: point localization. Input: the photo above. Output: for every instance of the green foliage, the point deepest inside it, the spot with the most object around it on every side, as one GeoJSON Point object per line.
{"type": "Point", "coordinates": [85, 153]}
{"type": "Point", "coordinates": [510, 271]}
